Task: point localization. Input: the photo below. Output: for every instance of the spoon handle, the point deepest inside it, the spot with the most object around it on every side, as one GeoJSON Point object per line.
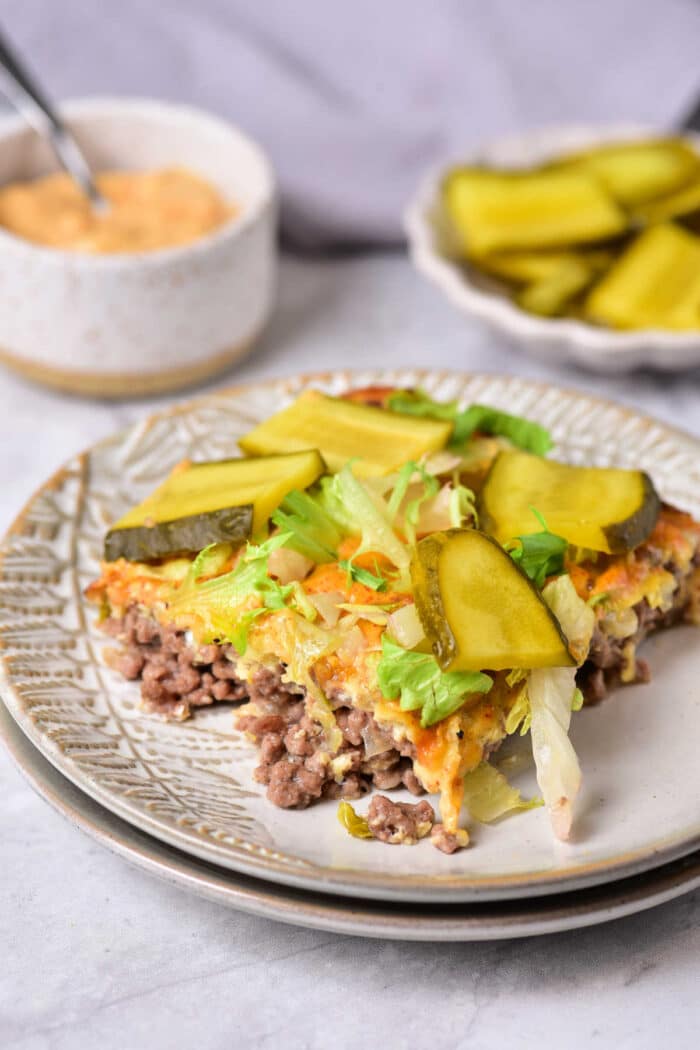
{"type": "Point", "coordinates": [30, 100]}
{"type": "Point", "coordinates": [691, 120]}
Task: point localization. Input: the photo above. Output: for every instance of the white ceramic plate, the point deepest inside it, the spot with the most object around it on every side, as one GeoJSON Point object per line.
{"type": "Point", "coordinates": [191, 785]}
{"type": "Point", "coordinates": [552, 339]}
{"type": "Point", "coordinates": [474, 922]}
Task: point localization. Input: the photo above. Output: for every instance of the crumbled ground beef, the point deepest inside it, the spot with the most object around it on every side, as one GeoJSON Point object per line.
{"type": "Point", "coordinates": [174, 675]}
{"type": "Point", "coordinates": [448, 841]}
{"type": "Point", "coordinates": [606, 659]}
{"type": "Point", "coordinates": [399, 823]}
{"type": "Point", "coordinates": [293, 764]}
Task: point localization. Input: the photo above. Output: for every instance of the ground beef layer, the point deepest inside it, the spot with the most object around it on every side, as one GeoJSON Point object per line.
{"type": "Point", "coordinates": [175, 677]}
{"type": "Point", "coordinates": [608, 659]}
{"type": "Point", "coordinates": [293, 764]}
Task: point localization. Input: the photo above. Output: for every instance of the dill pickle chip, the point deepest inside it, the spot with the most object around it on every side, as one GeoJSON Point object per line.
{"type": "Point", "coordinates": [654, 284]}
{"type": "Point", "coordinates": [379, 441]}
{"type": "Point", "coordinates": [639, 171]}
{"type": "Point", "coordinates": [675, 206]}
{"type": "Point", "coordinates": [550, 296]}
{"type": "Point", "coordinates": [217, 502]}
{"type": "Point", "coordinates": [530, 267]}
{"type": "Point", "coordinates": [600, 508]}
{"type": "Point", "coordinates": [495, 211]}
{"type": "Point", "coordinates": [479, 610]}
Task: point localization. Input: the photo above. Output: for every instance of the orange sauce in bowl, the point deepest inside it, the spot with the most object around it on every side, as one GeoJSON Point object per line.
{"type": "Point", "coordinates": [148, 211]}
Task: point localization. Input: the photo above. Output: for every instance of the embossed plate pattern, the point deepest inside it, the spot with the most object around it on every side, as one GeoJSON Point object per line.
{"type": "Point", "coordinates": [191, 785]}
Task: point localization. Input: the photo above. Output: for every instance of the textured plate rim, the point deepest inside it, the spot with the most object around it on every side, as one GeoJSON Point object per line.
{"type": "Point", "coordinates": [332, 913]}
{"type": "Point", "coordinates": [340, 880]}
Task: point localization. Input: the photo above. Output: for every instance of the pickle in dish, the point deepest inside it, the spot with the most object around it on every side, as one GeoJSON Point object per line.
{"type": "Point", "coordinates": [610, 235]}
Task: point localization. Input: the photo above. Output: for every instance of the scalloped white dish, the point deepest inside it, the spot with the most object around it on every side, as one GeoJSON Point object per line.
{"type": "Point", "coordinates": [191, 784]}
{"type": "Point", "coordinates": [551, 339]}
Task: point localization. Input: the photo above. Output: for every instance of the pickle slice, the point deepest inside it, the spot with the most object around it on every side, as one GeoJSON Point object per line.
{"type": "Point", "coordinates": [635, 172]}
{"type": "Point", "coordinates": [676, 206]}
{"type": "Point", "coordinates": [217, 502]}
{"type": "Point", "coordinates": [550, 296]}
{"type": "Point", "coordinates": [529, 267]}
{"type": "Point", "coordinates": [379, 441]}
{"type": "Point", "coordinates": [654, 284]}
{"type": "Point", "coordinates": [496, 211]}
{"type": "Point", "coordinates": [478, 610]}
{"type": "Point", "coordinates": [602, 509]}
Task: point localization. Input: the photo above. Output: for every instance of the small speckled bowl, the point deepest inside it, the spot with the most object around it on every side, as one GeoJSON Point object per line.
{"type": "Point", "coordinates": [139, 323]}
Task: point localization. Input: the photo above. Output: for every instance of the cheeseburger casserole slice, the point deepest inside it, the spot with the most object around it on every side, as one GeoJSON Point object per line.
{"type": "Point", "coordinates": [388, 587]}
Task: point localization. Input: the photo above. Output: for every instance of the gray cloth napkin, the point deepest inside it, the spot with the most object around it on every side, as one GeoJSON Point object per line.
{"type": "Point", "coordinates": [354, 101]}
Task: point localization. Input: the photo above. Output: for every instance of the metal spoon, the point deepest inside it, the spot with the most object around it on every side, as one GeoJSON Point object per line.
{"type": "Point", "coordinates": [30, 101]}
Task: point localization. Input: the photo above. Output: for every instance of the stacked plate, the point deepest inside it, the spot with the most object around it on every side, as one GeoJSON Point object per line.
{"type": "Point", "coordinates": [179, 799]}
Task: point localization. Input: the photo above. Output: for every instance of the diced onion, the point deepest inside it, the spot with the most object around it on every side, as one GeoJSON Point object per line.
{"type": "Point", "coordinates": [621, 624]}
{"type": "Point", "coordinates": [327, 606]}
{"type": "Point", "coordinates": [375, 739]}
{"type": "Point", "coordinates": [353, 642]}
{"type": "Point", "coordinates": [288, 565]}
{"type": "Point", "coordinates": [441, 462]}
{"type": "Point", "coordinates": [404, 625]}
{"type": "Point", "coordinates": [434, 515]}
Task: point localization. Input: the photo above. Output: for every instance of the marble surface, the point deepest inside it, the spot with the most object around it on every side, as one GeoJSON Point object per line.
{"type": "Point", "coordinates": [97, 954]}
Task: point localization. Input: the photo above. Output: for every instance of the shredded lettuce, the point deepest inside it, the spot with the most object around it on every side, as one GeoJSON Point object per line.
{"type": "Point", "coordinates": [353, 823]}
{"type": "Point", "coordinates": [418, 403]}
{"type": "Point", "coordinates": [429, 487]}
{"type": "Point", "coordinates": [488, 795]}
{"type": "Point", "coordinates": [551, 694]}
{"type": "Point", "coordinates": [482, 418]}
{"type": "Point", "coordinates": [545, 703]}
{"type": "Point", "coordinates": [576, 617]}
{"type": "Point", "coordinates": [349, 503]}
{"type": "Point", "coordinates": [210, 561]}
{"type": "Point", "coordinates": [312, 531]}
{"type": "Point", "coordinates": [359, 575]}
{"type": "Point", "coordinates": [299, 644]}
{"type": "Point", "coordinates": [519, 717]}
{"type": "Point", "coordinates": [462, 506]}
{"type": "Point", "coordinates": [539, 554]}
{"type": "Point", "coordinates": [521, 432]}
{"type": "Point", "coordinates": [415, 679]}
{"type": "Point", "coordinates": [219, 608]}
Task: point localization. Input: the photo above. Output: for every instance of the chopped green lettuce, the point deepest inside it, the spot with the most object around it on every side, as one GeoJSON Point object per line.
{"type": "Point", "coordinates": [482, 418]}
{"type": "Point", "coordinates": [488, 795]}
{"type": "Point", "coordinates": [220, 607]}
{"type": "Point", "coordinates": [349, 503]}
{"type": "Point", "coordinates": [522, 433]}
{"type": "Point", "coordinates": [519, 717]}
{"type": "Point", "coordinates": [359, 575]}
{"type": "Point", "coordinates": [546, 701]}
{"type": "Point", "coordinates": [430, 486]}
{"type": "Point", "coordinates": [551, 694]}
{"type": "Point", "coordinates": [210, 561]}
{"type": "Point", "coordinates": [417, 681]}
{"type": "Point", "coordinates": [312, 531]}
{"type": "Point", "coordinates": [462, 506]}
{"type": "Point", "coordinates": [576, 617]}
{"type": "Point", "coordinates": [539, 554]}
